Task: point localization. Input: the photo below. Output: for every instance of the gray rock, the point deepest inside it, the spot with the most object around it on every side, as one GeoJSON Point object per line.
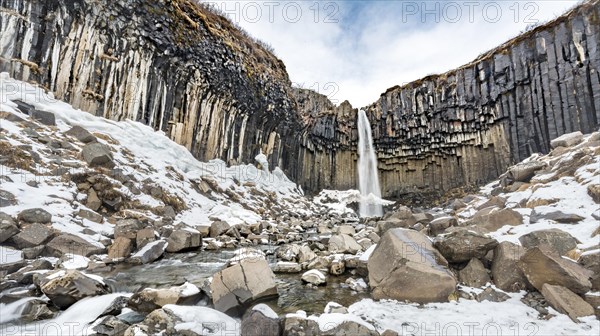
{"type": "Point", "coordinates": [218, 228]}
{"type": "Point", "coordinates": [261, 321]}
{"type": "Point", "coordinates": [149, 253]}
{"type": "Point", "coordinates": [91, 215]}
{"type": "Point", "coordinates": [506, 273]}
{"type": "Point", "coordinates": [489, 294]}
{"type": "Point", "coordinates": [68, 243]}
{"type": "Point", "coordinates": [93, 201]}
{"type": "Point", "coordinates": [464, 245]}
{"type": "Point", "coordinates": [143, 236]}
{"type": "Point", "coordinates": [558, 240]}
{"type": "Point", "coordinates": [298, 326]}
{"type": "Point", "coordinates": [439, 225]}
{"type": "Point", "coordinates": [70, 287]}
{"type": "Point", "coordinates": [287, 267]}
{"type": "Point", "coordinates": [493, 218]}
{"type": "Point", "coordinates": [32, 235]}
{"type": "Point", "coordinates": [43, 117]}
{"type": "Point", "coordinates": [184, 240]}
{"type": "Point", "coordinates": [110, 326]}
{"type": "Point", "coordinates": [81, 134]}
{"type": "Point", "coordinates": [405, 266]}
{"type": "Point", "coordinates": [150, 299]}
{"type": "Point", "coordinates": [567, 140]}
{"type": "Point", "coordinates": [523, 172]}
{"type": "Point", "coordinates": [591, 262]}
{"type": "Point", "coordinates": [474, 274]}
{"type": "Point", "coordinates": [120, 248]}
{"type": "Point", "coordinates": [35, 216]}
{"type": "Point", "coordinates": [7, 199]}
{"type": "Point", "coordinates": [128, 228]}
{"type": "Point", "coordinates": [556, 215]}
{"type": "Point", "coordinates": [567, 302]}
{"type": "Point", "coordinates": [97, 154]}
{"type": "Point", "coordinates": [8, 227]}
{"type": "Point", "coordinates": [343, 243]}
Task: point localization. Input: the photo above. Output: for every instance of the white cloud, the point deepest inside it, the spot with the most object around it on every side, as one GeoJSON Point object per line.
{"type": "Point", "coordinates": [375, 45]}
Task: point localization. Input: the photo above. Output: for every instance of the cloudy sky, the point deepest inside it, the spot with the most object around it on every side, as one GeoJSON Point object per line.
{"type": "Point", "coordinates": [354, 50]}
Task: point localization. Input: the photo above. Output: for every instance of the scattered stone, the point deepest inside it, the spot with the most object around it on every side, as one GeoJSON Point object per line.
{"type": "Point", "coordinates": [405, 266]}
{"type": "Point", "coordinates": [494, 218]}
{"type": "Point", "coordinates": [474, 274]}
{"type": "Point", "coordinates": [261, 320]}
{"type": "Point", "coordinates": [566, 302]}
{"type": "Point", "coordinates": [93, 201]}
{"type": "Point", "coordinates": [335, 308]}
{"type": "Point", "coordinates": [37, 310]}
{"type": "Point", "coordinates": [464, 245]}
{"type": "Point", "coordinates": [300, 326]}
{"type": "Point", "coordinates": [91, 215]}
{"type": "Point", "coordinates": [558, 240]}
{"type": "Point", "coordinates": [567, 140]}
{"type": "Point", "coordinates": [64, 288]}
{"type": "Point", "coordinates": [591, 261]}
{"type": "Point", "coordinates": [394, 223]}
{"type": "Point", "coordinates": [128, 228]}
{"type": "Point", "coordinates": [439, 225]}
{"type": "Point", "coordinates": [43, 117]}
{"type": "Point", "coordinates": [338, 267]}
{"type": "Point", "coordinates": [8, 228]}
{"type": "Point", "coordinates": [523, 172]}
{"type": "Point", "coordinates": [120, 248]}
{"type": "Point", "coordinates": [7, 199]}
{"type": "Point", "coordinates": [594, 191]}
{"type": "Point", "coordinates": [242, 284]}
{"type": "Point", "coordinates": [348, 328]}
{"type": "Point", "coordinates": [345, 229]}
{"type": "Point", "coordinates": [32, 235]}
{"type": "Point", "coordinates": [544, 266]}
{"type": "Point", "coordinates": [492, 295]}
{"type": "Point", "coordinates": [184, 240]}
{"type": "Point", "coordinates": [81, 134]}
{"type": "Point", "coordinates": [343, 243]}
{"type": "Point", "coordinates": [68, 243]}
{"type": "Point", "coordinates": [505, 271]}
{"type": "Point", "coordinates": [287, 267]}
{"type": "Point", "coordinates": [358, 285]}
{"type": "Point", "coordinates": [143, 236]}
{"type": "Point", "coordinates": [97, 154]}
{"type": "Point", "coordinates": [305, 254]}
{"type": "Point", "coordinates": [35, 216]}
{"type": "Point", "coordinates": [314, 277]}
{"type": "Point", "coordinates": [116, 306]}
{"type": "Point", "coordinates": [218, 228]}
{"type": "Point", "coordinates": [149, 253]}
{"type": "Point", "coordinates": [150, 299]}
{"type": "Point", "coordinates": [110, 326]}
{"type": "Point", "coordinates": [549, 213]}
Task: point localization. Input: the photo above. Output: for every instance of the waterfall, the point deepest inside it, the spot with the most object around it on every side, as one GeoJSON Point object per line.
{"type": "Point", "coordinates": [368, 180]}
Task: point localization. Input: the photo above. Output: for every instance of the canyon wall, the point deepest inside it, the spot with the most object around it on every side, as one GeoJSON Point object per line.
{"type": "Point", "coordinates": [189, 72]}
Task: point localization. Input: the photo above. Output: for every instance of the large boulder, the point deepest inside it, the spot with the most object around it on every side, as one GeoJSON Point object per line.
{"type": "Point", "coordinates": [394, 223]}
{"type": "Point", "coordinates": [218, 228]}
{"type": "Point", "coordinates": [71, 244]}
{"type": "Point", "coordinates": [567, 140]}
{"type": "Point", "coordinates": [549, 213]}
{"type": "Point", "coordinates": [8, 228]}
{"type": "Point", "coordinates": [566, 302]}
{"type": "Point", "coordinates": [464, 245]}
{"type": "Point", "coordinates": [591, 261]}
{"type": "Point", "coordinates": [149, 253]}
{"type": "Point", "coordinates": [184, 240]}
{"type": "Point", "coordinates": [238, 286]}
{"type": "Point", "coordinates": [556, 239]}
{"type": "Point", "coordinates": [36, 215]}
{"type": "Point", "coordinates": [32, 235]}
{"type": "Point", "coordinates": [261, 321]}
{"type": "Point", "coordinates": [149, 299]}
{"type": "Point", "coordinates": [81, 134]}
{"type": "Point", "coordinates": [474, 274]}
{"type": "Point", "coordinates": [493, 218]}
{"type": "Point", "coordinates": [7, 199]}
{"type": "Point", "coordinates": [128, 228]}
{"type": "Point", "coordinates": [439, 225]}
{"type": "Point", "coordinates": [542, 265]}
{"type": "Point", "coordinates": [64, 288]}
{"type": "Point", "coordinates": [343, 243]}
{"type": "Point", "coordinates": [523, 172]}
{"type": "Point", "coordinates": [506, 273]}
{"type": "Point", "coordinates": [97, 154]}
{"type": "Point", "coordinates": [120, 248]}
{"type": "Point", "coordinates": [405, 266]}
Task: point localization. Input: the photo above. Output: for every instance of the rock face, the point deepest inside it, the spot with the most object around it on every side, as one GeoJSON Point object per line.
{"type": "Point", "coordinates": [239, 285]}
{"type": "Point", "coordinates": [443, 131]}
{"type": "Point", "coordinates": [405, 266]}
{"type": "Point", "coordinates": [543, 266]}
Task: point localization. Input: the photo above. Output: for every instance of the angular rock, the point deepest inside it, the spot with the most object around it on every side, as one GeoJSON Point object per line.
{"type": "Point", "coordinates": [394, 223]}
{"type": "Point", "coordinates": [7, 199]}
{"type": "Point", "coordinates": [314, 277]}
{"type": "Point", "coordinates": [287, 267]}
{"type": "Point", "coordinates": [32, 235]}
{"type": "Point", "coordinates": [64, 288]}
{"type": "Point", "coordinates": [567, 140]}
{"type": "Point", "coordinates": [218, 228]}
{"type": "Point", "coordinates": [68, 243]}
{"type": "Point", "coordinates": [128, 228]}
{"type": "Point", "coordinates": [345, 229]}
{"type": "Point", "coordinates": [464, 245]}
{"type": "Point", "coordinates": [238, 286]}
{"type": "Point", "coordinates": [566, 302]}
{"type": "Point", "coordinates": [338, 267]}
{"type": "Point", "coordinates": [544, 266]}
{"type": "Point", "coordinates": [474, 274]}
{"type": "Point", "coordinates": [343, 243]}
{"type": "Point", "coordinates": [305, 254]}
{"type": "Point", "coordinates": [558, 240]}
{"type": "Point", "coordinates": [439, 225]}
{"type": "Point", "coordinates": [81, 134]}
{"type": "Point", "coordinates": [149, 253]}
{"type": "Point", "coordinates": [594, 191]}
{"type": "Point", "coordinates": [120, 248]}
{"type": "Point", "coordinates": [300, 326]}
{"type": "Point", "coordinates": [548, 213]}
{"type": "Point", "coordinates": [97, 154]}
{"type": "Point", "coordinates": [150, 299]}
{"type": "Point", "coordinates": [184, 240]}
{"type": "Point", "coordinates": [350, 328]}
{"type": "Point", "coordinates": [110, 326]}
{"type": "Point", "coordinates": [7, 229]}
{"type": "Point", "coordinates": [43, 117]}
{"type": "Point", "coordinates": [523, 172]}
{"type": "Point", "coordinates": [591, 261]}
{"type": "Point", "coordinates": [405, 266]}
{"type": "Point", "coordinates": [288, 252]}
{"type": "Point", "coordinates": [37, 310]}
{"type": "Point", "coordinates": [489, 294]}
{"type": "Point", "coordinates": [90, 215]}
{"type": "Point", "coordinates": [494, 218]}
{"type": "Point", "coordinates": [261, 320]}
{"type": "Point", "coordinates": [35, 216]}
{"type": "Point", "coordinates": [143, 236]}
{"type": "Point", "coordinates": [93, 201]}
{"type": "Point", "coordinates": [506, 273]}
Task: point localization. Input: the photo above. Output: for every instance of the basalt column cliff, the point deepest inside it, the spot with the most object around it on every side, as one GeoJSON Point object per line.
{"type": "Point", "coordinates": [187, 71]}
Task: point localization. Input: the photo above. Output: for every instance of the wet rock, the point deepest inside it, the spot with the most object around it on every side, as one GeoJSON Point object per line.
{"type": "Point", "coordinates": [218, 228]}
{"type": "Point", "coordinates": [544, 266]}
{"type": "Point", "coordinates": [314, 277]}
{"type": "Point", "coordinates": [405, 266]}
{"type": "Point", "coordinates": [64, 288]}
{"type": "Point", "coordinates": [68, 243]}
{"type": "Point", "coordinates": [287, 267]}
{"type": "Point", "coordinates": [549, 213]}
{"type": "Point", "coordinates": [566, 302]}
{"type": "Point", "coordinates": [37, 310]}
{"type": "Point", "coordinates": [261, 320]}
{"type": "Point", "coordinates": [242, 284]}
{"type": "Point", "coordinates": [184, 240]}
{"type": "Point", "coordinates": [32, 235]}
{"type": "Point", "coordinates": [110, 326]}
{"type": "Point", "coordinates": [348, 328]}
{"type": "Point", "coordinates": [120, 248]}
{"type": "Point", "coordinates": [558, 240]}
{"type": "Point", "coordinates": [35, 216]}
{"type": "Point", "coordinates": [150, 299]}
{"type": "Point", "coordinates": [149, 253]}
{"type": "Point", "coordinates": [97, 154]}
{"type": "Point", "coordinates": [474, 274]}
{"type": "Point", "coordinates": [505, 271]}
{"type": "Point", "coordinates": [464, 245]}
{"type": "Point", "coordinates": [492, 295]}
{"type": "Point", "coordinates": [116, 306]}
{"type": "Point", "coordinates": [81, 134]}
{"type": "Point", "coordinates": [343, 243]}
{"type": "Point", "coordinates": [567, 140]}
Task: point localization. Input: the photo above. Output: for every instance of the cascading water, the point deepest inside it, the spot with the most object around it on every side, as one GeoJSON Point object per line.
{"type": "Point", "coordinates": [368, 180]}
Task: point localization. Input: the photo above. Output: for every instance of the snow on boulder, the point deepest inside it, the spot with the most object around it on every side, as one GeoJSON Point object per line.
{"type": "Point", "coordinates": [64, 288]}
{"type": "Point", "coordinates": [201, 321]}
{"type": "Point", "coordinates": [567, 140]}
{"type": "Point", "coordinates": [261, 320]}
{"type": "Point", "coordinates": [405, 266]}
{"type": "Point", "coordinates": [149, 253]}
{"type": "Point", "coordinates": [238, 286]}
{"type": "Point", "coordinates": [150, 299]}
{"type": "Point", "coordinates": [314, 277]}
